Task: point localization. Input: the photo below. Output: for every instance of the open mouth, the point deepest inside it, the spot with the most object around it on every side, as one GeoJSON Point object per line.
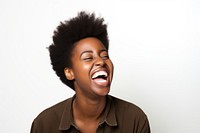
{"type": "Point", "coordinates": [100, 78]}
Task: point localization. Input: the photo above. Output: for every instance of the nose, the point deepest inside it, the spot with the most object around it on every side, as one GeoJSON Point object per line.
{"type": "Point", "coordinates": [99, 61]}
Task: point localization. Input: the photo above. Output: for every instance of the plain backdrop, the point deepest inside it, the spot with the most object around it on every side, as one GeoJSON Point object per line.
{"type": "Point", "coordinates": [154, 45]}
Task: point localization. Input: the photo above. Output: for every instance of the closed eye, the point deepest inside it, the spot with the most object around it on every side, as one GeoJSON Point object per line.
{"type": "Point", "coordinates": [105, 57]}
{"type": "Point", "coordinates": [104, 54]}
{"type": "Point", "coordinates": [87, 58]}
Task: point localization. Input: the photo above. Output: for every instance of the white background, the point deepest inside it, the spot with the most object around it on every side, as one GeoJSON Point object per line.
{"type": "Point", "coordinates": [154, 45]}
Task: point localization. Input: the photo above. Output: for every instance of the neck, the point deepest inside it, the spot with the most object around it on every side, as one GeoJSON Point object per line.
{"type": "Point", "coordinates": [88, 109]}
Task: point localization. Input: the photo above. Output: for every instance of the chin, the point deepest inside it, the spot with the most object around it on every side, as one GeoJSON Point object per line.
{"type": "Point", "coordinates": [103, 91]}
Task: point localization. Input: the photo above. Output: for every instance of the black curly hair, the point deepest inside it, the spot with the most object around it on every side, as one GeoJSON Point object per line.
{"type": "Point", "coordinates": [69, 32]}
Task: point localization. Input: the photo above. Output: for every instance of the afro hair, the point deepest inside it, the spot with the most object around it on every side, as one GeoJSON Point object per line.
{"type": "Point", "coordinates": [68, 33]}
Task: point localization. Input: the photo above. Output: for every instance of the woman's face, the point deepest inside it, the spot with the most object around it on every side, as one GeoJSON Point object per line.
{"type": "Point", "coordinates": [92, 68]}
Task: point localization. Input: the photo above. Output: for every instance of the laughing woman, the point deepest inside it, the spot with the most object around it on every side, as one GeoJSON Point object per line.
{"type": "Point", "coordinates": [79, 56]}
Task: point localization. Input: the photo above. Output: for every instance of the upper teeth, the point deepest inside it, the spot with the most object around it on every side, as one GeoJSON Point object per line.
{"type": "Point", "coordinates": [100, 73]}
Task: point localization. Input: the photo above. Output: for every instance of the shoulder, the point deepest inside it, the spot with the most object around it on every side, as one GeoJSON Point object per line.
{"type": "Point", "coordinates": [53, 113]}
{"type": "Point", "coordinates": [49, 119]}
{"type": "Point", "coordinates": [130, 117]}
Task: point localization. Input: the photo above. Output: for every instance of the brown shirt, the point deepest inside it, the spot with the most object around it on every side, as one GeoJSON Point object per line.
{"type": "Point", "coordinates": [118, 117]}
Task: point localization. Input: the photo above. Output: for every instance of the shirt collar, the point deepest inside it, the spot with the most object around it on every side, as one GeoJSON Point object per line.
{"type": "Point", "coordinates": [67, 117]}
{"type": "Point", "coordinates": [108, 117]}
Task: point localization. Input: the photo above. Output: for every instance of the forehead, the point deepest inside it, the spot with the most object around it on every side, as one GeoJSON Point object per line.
{"type": "Point", "coordinates": [89, 43]}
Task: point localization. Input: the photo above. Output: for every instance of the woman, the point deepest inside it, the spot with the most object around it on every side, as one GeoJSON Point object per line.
{"type": "Point", "coordinates": [79, 56]}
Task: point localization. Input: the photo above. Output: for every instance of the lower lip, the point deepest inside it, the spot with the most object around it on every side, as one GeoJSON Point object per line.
{"type": "Point", "coordinates": [101, 82]}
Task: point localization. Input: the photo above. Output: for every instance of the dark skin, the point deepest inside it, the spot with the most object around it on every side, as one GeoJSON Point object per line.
{"type": "Point", "coordinates": [89, 60]}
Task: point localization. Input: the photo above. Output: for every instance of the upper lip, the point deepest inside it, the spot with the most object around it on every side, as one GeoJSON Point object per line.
{"type": "Point", "coordinates": [100, 69]}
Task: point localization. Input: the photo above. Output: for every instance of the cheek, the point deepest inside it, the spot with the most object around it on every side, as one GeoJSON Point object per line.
{"type": "Point", "coordinates": [85, 67]}
{"type": "Point", "coordinates": [111, 66]}
{"type": "Point", "coordinates": [81, 70]}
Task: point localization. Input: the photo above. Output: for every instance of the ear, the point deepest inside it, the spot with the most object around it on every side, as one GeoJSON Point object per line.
{"type": "Point", "coordinates": [69, 73]}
